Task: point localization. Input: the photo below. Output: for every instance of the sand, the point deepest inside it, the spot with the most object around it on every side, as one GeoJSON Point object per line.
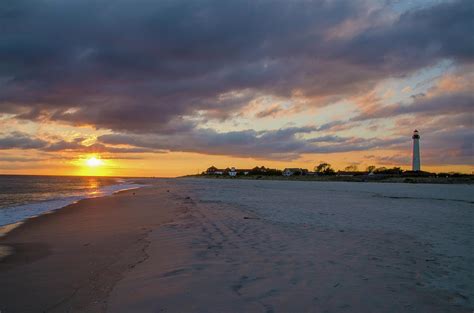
{"type": "Point", "coordinates": [194, 245]}
{"type": "Point", "coordinates": [69, 261]}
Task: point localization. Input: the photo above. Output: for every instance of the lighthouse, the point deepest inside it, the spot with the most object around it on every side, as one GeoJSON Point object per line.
{"type": "Point", "coordinates": [416, 152]}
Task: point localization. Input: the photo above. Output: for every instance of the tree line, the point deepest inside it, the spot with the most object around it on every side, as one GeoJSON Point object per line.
{"type": "Point", "coordinates": [326, 169]}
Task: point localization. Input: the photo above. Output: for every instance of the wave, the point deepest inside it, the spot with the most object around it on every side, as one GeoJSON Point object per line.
{"type": "Point", "coordinates": [16, 214]}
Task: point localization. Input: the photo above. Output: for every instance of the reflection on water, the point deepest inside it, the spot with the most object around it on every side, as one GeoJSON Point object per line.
{"type": "Point", "coordinates": [93, 186]}
{"type": "Point", "coordinates": [23, 197]}
{"type": "Point", "coordinates": [7, 250]}
{"type": "Point", "coordinates": [19, 190]}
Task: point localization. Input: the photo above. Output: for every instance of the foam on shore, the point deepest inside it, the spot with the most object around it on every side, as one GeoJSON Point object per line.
{"type": "Point", "coordinates": [15, 214]}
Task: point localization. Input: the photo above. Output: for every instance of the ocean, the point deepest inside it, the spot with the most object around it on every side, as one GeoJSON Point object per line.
{"type": "Point", "coordinates": [23, 197]}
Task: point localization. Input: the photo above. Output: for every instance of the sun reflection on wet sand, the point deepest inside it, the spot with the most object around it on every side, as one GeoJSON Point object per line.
{"type": "Point", "coordinates": [7, 228]}
{"type": "Point", "coordinates": [7, 250]}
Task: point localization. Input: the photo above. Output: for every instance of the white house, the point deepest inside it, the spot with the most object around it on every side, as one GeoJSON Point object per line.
{"type": "Point", "coordinates": [232, 172]}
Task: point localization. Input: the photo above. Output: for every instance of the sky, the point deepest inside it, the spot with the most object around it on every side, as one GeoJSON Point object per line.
{"type": "Point", "coordinates": [167, 88]}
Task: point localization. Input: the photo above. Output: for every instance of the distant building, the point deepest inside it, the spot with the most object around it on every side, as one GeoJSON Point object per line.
{"type": "Point", "coordinates": [416, 166]}
{"type": "Point", "coordinates": [211, 170]}
{"type": "Point", "coordinates": [294, 171]}
{"type": "Point", "coordinates": [232, 172]}
{"type": "Point", "coordinates": [214, 171]}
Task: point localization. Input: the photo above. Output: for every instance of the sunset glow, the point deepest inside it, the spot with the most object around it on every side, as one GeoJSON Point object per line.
{"type": "Point", "coordinates": [344, 83]}
{"type": "Point", "coordinates": [94, 162]}
{"type": "Point", "coordinates": [286, 155]}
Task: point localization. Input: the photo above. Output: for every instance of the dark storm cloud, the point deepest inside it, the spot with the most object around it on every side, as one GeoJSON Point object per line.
{"type": "Point", "coordinates": [446, 146]}
{"type": "Point", "coordinates": [139, 66]}
{"type": "Point", "coordinates": [281, 144]}
{"type": "Point", "coordinates": [418, 37]}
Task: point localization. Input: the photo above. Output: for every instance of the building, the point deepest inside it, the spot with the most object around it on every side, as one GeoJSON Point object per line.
{"type": "Point", "coordinates": [214, 171]}
{"type": "Point", "coordinates": [416, 166]}
{"type": "Point", "coordinates": [233, 172]}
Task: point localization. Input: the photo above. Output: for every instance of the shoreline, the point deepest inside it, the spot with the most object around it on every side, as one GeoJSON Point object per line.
{"type": "Point", "coordinates": [73, 256]}
{"type": "Point", "coordinates": [6, 251]}
{"type": "Point", "coordinates": [6, 228]}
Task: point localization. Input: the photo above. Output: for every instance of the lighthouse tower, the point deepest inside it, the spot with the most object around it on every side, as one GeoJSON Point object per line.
{"type": "Point", "coordinates": [416, 152]}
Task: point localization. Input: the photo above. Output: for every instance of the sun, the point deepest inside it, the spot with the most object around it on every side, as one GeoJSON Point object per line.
{"type": "Point", "coordinates": [92, 165]}
{"type": "Point", "coordinates": [94, 161]}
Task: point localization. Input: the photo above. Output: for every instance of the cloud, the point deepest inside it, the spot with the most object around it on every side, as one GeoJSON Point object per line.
{"type": "Point", "coordinates": [278, 144]}
{"type": "Point", "coordinates": [449, 147]}
{"type": "Point", "coordinates": [24, 141]}
{"type": "Point", "coordinates": [272, 111]}
{"type": "Point", "coordinates": [444, 104]}
{"type": "Point", "coordinates": [154, 72]}
{"type": "Point", "coordinates": [328, 138]}
{"type": "Point", "coordinates": [94, 148]}
{"type": "Point", "coordinates": [281, 144]}
{"type": "Point", "coordinates": [390, 160]}
{"type": "Point", "coordinates": [14, 159]}
{"type": "Point", "coordinates": [18, 140]}
{"type": "Point", "coordinates": [142, 66]}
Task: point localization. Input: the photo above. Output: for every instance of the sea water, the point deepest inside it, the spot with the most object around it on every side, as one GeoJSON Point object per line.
{"type": "Point", "coordinates": [23, 197]}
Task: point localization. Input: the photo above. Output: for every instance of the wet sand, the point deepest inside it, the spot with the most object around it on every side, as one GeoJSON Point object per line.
{"type": "Point", "coordinates": [69, 260]}
{"type": "Point", "coordinates": [239, 246]}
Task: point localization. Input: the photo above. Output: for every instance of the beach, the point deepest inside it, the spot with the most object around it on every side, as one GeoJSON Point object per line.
{"type": "Point", "coordinates": [202, 245]}
{"type": "Point", "coordinates": [69, 260]}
